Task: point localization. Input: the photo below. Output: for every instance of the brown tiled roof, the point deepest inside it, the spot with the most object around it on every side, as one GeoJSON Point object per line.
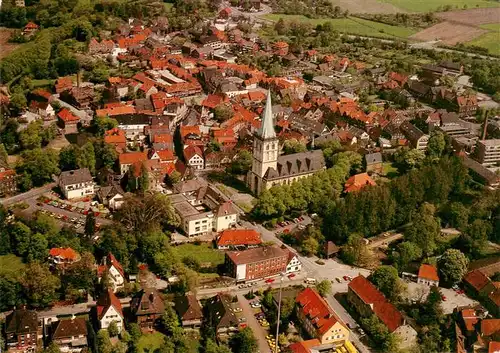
{"type": "Point", "coordinates": [132, 157]}
{"type": "Point", "coordinates": [148, 301]}
{"type": "Point", "coordinates": [476, 279]}
{"type": "Point", "coordinates": [256, 254]}
{"type": "Point", "coordinates": [494, 347]}
{"type": "Point", "coordinates": [317, 310]}
{"type": "Point", "coordinates": [490, 327]}
{"type": "Point", "coordinates": [22, 321]}
{"type": "Point", "coordinates": [358, 182]}
{"type": "Point", "coordinates": [188, 308]}
{"type": "Point", "coordinates": [70, 328]}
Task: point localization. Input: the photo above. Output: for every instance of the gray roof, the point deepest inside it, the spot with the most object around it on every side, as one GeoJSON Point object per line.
{"type": "Point", "coordinates": [76, 176]}
{"type": "Point", "coordinates": [372, 158]}
{"type": "Point", "coordinates": [297, 164]}
{"type": "Point", "coordinates": [266, 130]}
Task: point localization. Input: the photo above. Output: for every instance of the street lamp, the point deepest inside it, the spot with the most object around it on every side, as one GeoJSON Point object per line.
{"type": "Point", "coordinates": [279, 314]}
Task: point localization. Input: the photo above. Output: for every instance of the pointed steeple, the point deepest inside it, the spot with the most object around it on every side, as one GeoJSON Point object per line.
{"type": "Point", "coordinates": [266, 130]}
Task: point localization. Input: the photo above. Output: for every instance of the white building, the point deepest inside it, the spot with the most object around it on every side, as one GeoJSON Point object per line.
{"type": "Point", "coordinates": [194, 157]}
{"type": "Point", "coordinates": [115, 273]}
{"type": "Point", "coordinates": [109, 309]}
{"type": "Point", "coordinates": [294, 264]}
{"type": "Point", "coordinates": [75, 184]}
{"type": "Point", "coordinates": [428, 275]}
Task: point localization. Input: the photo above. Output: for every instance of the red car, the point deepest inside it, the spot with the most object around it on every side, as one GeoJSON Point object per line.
{"type": "Point", "coordinates": [443, 298]}
{"type": "Point", "coordinates": [345, 278]}
{"type": "Point", "coordinates": [291, 275]}
{"type": "Point", "coordinates": [269, 280]}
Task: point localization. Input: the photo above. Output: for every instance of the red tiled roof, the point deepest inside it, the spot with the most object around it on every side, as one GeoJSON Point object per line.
{"type": "Point", "coordinates": [304, 346]}
{"type": "Point", "coordinates": [466, 100]}
{"type": "Point", "coordinates": [494, 347]}
{"type": "Point", "coordinates": [115, 135]}
{"type": "Point", "coordinates": [280, 45]}
{"type": "Point", "coordinates": [132, 157]}
{"type": "Point", "coordinates": [256, 96]}
{"type": "Point", "coordinates": [213, 100]}
{"type": "Point", "coordinates": [490, 327]}
{"type": "Point", "coordinates": [116, 110]}
{"type": "Point", "coordinates": [358, 182]}
{"type": "Point", "coordinates": [163, 138]}
{"type": "Point", "coordinates": [64, 253]}
{"type": "Point", "coordinates": [317, 310]}
{"type": "Point", "coordinates": [191, 151]}
{"type": "Point", "coordinates": [107, 300]}
{"type": "Point", "coordinates": [166, 155]}
{"type": "Point", "coordinates": [67, 116]}
{"type": "Point", "coordinates": [476, 279]}
{"type": "Point", "coordinates": [42, 93]}
{"type": "Point", "coordinates": [385, 311]}
{"type": "Point", "coordinates": [470, 319]}
{"type": "Point", "coordinates": [6, 173]}
{"type": "Point", "coordinates": [31, 25]}
{"type": "Point", "coordinates": [428, 272]}
{"type": "Point", "coordinates": [188, 129]}
{"type": "Point", "coordinates": [233, 237]}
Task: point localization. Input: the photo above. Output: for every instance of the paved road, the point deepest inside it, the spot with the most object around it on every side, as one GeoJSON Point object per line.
{"type": "Point", "coordinates": [33, 193]}
{"type": "Point", "coordinates": [252, 322]}
{"type": "Point", "coordinates": [70, 214]}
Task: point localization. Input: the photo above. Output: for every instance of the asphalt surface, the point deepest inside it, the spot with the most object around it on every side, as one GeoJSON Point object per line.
{"type": "Point", "coordinates": [258, 331]}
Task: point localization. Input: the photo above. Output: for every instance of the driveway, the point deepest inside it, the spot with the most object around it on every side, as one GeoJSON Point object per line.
{"type": "Point", "coordinates": [253, 324]}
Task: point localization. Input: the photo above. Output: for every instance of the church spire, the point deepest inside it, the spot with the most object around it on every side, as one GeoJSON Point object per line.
{"type": "Point", "coordinates": [266, 130]}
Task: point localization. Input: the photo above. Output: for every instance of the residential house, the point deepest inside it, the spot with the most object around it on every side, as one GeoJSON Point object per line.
{"type": "Point", "coordinates": [222, 317]}
{"type": "Point", "coordinates": [116, 137]}
{"type": "Point", "coordinates": [428, 275]}
{"type": "Point", "coordinates": [148, 308]}
{"type": "Point", "coordinates": [79, 97]}
{"type": "Point", "coordinates": [63, 256]}
{"type": "Point", "coordinates": [109, 309]}
{"type": "Point", "coordinates": [126, 160]}
{"type": "Point", "coordinates": [488, 152]}
{"type": "Point", "coordinates": [21, 331]}
{"type": "Point", "coordinates": [256, 263]}
{"type": "Point", "coordinates": [68, 121]}
{"type": "Point", "coordinates": [133, 125]}
{"type": "Point", "coordinates": [294, 264]}
{"type": "Point", "coordinates": [111, 196]}
{"type": "Point", "coordinates": [189, 310]}
{"type": "Point", "coordinates": [193, 156]}
{"type": "Point", "coordinates": [318, 319]}
{"type": "Point", "coordinates": [416, 137]}
{"type": "Point", "coordinates": [113, 269]}
{"type": "Point", "coordinates": [44, 109]}
{"type": "Point", "coordinates": [70, 335]}
{"type": "Point", "coordinates": [331, 249]}
{"type": "Point", "coordinates": [77, 184]}
{"type": "Point", "coordinates": [226, 216]}
{"type": "Point", "coordinates": [358, 182]}
{"type": "Point", "coordinates": [8, 181]}
{"type": "Point", "coordinates": [30, 29]}
{"type": "Point", "coordinates": [232, 238]}
{"type": "Point", "coordinates": [367, 300]}
{"type": "Point", "coordinates": [467, 105]}
{"type": "Point", "coordinates": [374, 163]}
{"type": "Point", "coordinates": [103, 47]}
{"type": "Point", "coordinates": [280, 48]}
{"type": "Point", "coordinates": [63, 84]}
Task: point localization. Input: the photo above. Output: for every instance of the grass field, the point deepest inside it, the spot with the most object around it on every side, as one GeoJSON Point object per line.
{"type": "Point", "coordinates": [433, 5]}
{"type": "Point", "coordinates": [11, 266]}
{"type": "Point", "coordinates": [491, 40]}
{"type": "Point", "coordinates": [204, 253]}
{"type": "Point", "coordinates": [351, 25]}
{"type": "Point", "coordinates": [150, 342]}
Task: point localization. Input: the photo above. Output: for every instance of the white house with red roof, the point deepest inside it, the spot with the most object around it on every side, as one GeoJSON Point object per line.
{"type": "Point", "coordinates": [193, 156]}
{"type": "Point", "coordinates": [318, 319]}
{"type": "Point", "coordinates": [62, 256]}
{"type": "Point", "coordinates": [428, 275]}
{"type": "Point", "coordinates": [109, 309]}
{"type": "Point", "coordinates": [115, 273]}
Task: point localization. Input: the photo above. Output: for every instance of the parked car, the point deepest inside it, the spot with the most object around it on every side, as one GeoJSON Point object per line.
{"type": "Point", "coordinates": [338, 280]}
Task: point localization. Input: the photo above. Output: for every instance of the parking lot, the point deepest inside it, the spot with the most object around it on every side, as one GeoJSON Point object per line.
{"type": "Point", "coordinates": [253, 323]}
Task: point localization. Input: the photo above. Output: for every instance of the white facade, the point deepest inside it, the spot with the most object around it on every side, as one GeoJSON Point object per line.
{"type": "Point", "coordinates": [116, 202]}
{"type": "Point", "coordinates": [115, 278]}
{"type": "Point", "coordinates": [241, 272]}
{"type": "Point", "coordinates": [134, 132]}
{"type": "Point", "coordinates": [199, 225]}
{"type": "Point", "coordinates": [294, 265]}
{"type": "Point", "coordinates": [196, 162]}
{"type": "Point", "coordinates": [225, 222]}
{"type": "Point", "coordinates": [427, 282]}
{"type": "Point", "coordinates": [109, 316]}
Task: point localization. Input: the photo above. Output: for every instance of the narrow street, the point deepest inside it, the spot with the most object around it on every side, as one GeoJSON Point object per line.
{"type": "Point", "coordinates": [33, 193]}
{"type": "Point", "coordinates": [254, 325]}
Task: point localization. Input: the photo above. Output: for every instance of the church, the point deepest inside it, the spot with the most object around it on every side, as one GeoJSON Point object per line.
{"type": "Point", "coordinates": [268, 167]}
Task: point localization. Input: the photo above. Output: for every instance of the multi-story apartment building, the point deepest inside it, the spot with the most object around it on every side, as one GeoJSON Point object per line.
{"type": "Point", "coordinates": [75, 184]}
{"type": "Point", "coordinates": [319, 319]}
{"type": "Point", "coordinates": [21, 331]}
{"type": "Point", "coordinates": [488, 152]}
{"type": "Point", "coordinates": [258, 262]}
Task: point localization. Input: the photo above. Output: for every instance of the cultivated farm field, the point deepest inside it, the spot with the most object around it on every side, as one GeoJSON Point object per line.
{"type": "Point", "coordinates": [5, 46]}
{"type": "Point", "coordinates": [490, 40]}
{"type": "Point", "coordinates": [433, 5]}
{"type": "Point", "coordinates": [472, 16]}
{"type": "Point", "coordinates": [449, 33]}
{"type": "Point", "coordinates": [367, 6]}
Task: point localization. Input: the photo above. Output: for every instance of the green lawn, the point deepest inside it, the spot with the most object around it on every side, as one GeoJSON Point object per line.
{"type": "Point", "coordinates": [150, 342]}
{"type": "Point", "coordinates": [168, 5]}
{"type": "Point", "coordinates": [491, 40]}
{"type": "Point", "coordinates": [203, 252]}
{"type": "Point", "coordinates": [433, 5]}
{"type": "Point", "coordinates": [351, 25]}
{"type": "Point", "coordinates": [11, 266]}
{"type": "Point", "coordinates": [42, 83]}
{"type": "Point", "coordinates": [390, 170]}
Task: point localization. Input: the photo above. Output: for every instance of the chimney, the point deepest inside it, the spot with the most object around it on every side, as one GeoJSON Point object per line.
{"type": "Point", "coordinates": [485, 128]}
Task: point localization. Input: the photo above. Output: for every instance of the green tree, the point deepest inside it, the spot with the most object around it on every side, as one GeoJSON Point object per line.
{"type": "Point", "coordinates": [242, 164]}
{"type": "Point", "coordinates": [18, 103]}
{"type": "Point", "coordinates": [310, 246]}
{"type": "Point", "coordinates": [86, 157]}
{"type": "Point", "coordinates": [174, 177]}
{"type": "Point", "coordinates": [81, 275]}
{"type": "Point", "coordinates": [90, 223]}
{"type": "Point", "coordinates": [68, 157]}
{"type": "Point", "coordinates": [425, 229]}
{"type": "Point", "coordinates": [9, 135]}
{"type": "Point", "coordinates": [223, 112]}
{"type": "Point", "coordinates": [52, 348]}
{"type": "Point", "coordinates": [102, 124]}
{"type": "Point", "coordinates": [453, 266]}
{"type": "Point", "coordinates": [38, 166]}
{"type": "Point", "coordinates": [356, 251]}
{"type": "Point", "coordinates": [436, 144]}
{"type": "Point", "coordinates": [30, 137]}
{"type": "Point", "coordinates": [244, 342]}
{"type": "Point", "coordinates": [11, 293]}
{"type": "Point", "coordinates": [3, 155]}
{"type": "Point", "coordinates": [293, 146]}
{"type": "Point", "coordinates": [104, 344]}
{"type": "Point", "coordinates": [406, 253]}
{"type": "Point", "coordinates": [170, 320]}
{"type": "Point", "coordinates": [39, 285]}
{"type": "Point", "coordinates": [324, 288]}
{"type": "Point", "coordinates": [386, 279]}
{"type": "Point", "coordinates": [408, 159]}
{"type": "Point", "coordinates": [458, 215]}
{"type": "Point", "coordinates": [113, 329]}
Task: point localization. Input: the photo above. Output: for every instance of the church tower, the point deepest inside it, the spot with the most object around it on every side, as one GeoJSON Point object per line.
{"type": "Point", "coordinates": [265, 150]}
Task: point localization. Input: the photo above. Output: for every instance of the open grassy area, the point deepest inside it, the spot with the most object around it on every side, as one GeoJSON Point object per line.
{"type": "Point", "coordinates": [433, 5]}
{"type": "Point", "coordinates": [390, 170]}
{"type": "Point", "coordinates": [150, 342]}
{"type": "Point", "coordinates": [203, 252]}
{"type": "Point", "coordinates": [42, 83]}
{"type": "Point", "coordinates": [491, 40]}
{"type": "Point", "coordinates": [11, 266]}
{"type": "Point", "coordinates": [351, 25]}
